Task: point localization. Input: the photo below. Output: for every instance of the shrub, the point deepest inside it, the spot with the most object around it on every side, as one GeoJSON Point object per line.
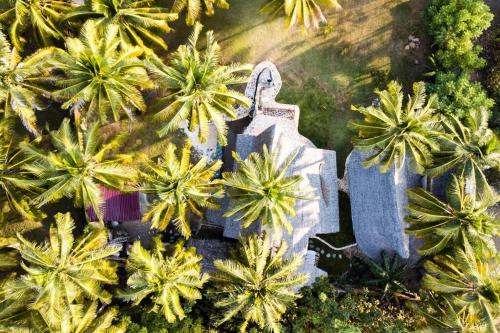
{"type": "Point", "coordinates": [323, 309]}
{"type": "Point", "coordinates": [458, 96]}
{"type": "Point", "coordinates": [455, 24]}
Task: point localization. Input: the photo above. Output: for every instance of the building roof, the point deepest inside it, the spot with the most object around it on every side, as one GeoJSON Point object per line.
{"type": "Point", "coordinates": [378, 206]}
{"type": "Point", "coordinates": [118, 206]}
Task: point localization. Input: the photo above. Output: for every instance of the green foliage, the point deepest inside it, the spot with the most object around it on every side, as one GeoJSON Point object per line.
{"type": "Point", "coordinates": [468, 282]}
{"type": "Point", "coordinates": [19, 96]}
{"type": "Point", "coordinates": [100, 76]}
{"type": "Point", "coordinates": [309, 13]}
{"type": "Point", "coordinates": [322, 309]}
{"type": "Point", "coordinates": [34, 19]}
{"type": "Point", "coordinates": [194, 7]}
{"type": "Point", "coordinates": [257, 283]}
{"type": "Point", "coordinates": [458, 96]}
{"type": "Point", "coordinates": [164, 275]}
{"type": "Point", "coordinates": [260, 190]}
{"type": "Point", "coordinates": [464, 219]}
{"type": "Point", "coordinates": [198, 89]}
{"type": "Point", "coordinates": [467, 148]}
{"type": "Point", "coordinates": [389, 274]}
{"type": "Point", "coordinates": [442, 315]}
{"type": "Point", "coordinates": [76, 170]}
{"type": "Point", "coordinates": [15, 183]}
{"type": "Point", "coordinates": [394, 131]}
{"type": "Point", "coordinates": [151, 322]}
{"type": "Point", "coordinates": [181, 188]}
{"type": "Point", "coordinates": [141, 23]}
{"type": "Point", "coordinates": [61, 273]}
{"type": "Point", "coordinates": [455, 24]}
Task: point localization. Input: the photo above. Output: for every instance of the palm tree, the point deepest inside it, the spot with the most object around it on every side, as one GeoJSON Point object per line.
{"type": "Point", "coordinates": [100, 75]}
{"type": "Point", "coordinates": [76, 171]}
{"type": "Point", "coordinates": [394, 131]}
{"type": "Point", "coordinates": [389, 274]}
{"type": "Point", "coordinates": [467, 150]}
{"type": "Point", "coordinates": [64, 271]}
{"type": "Point", "coordinates": [260, 190]}
{"type": "Point", "coordinates": [448, 225]}
{"type": "Point", "coordinates": [193, 8]}
{"type": "Point", "coordinates": [15, 184]}
{"type": "Point", "coordinates": [257, 283]}
{"type": "Point", "coordinates": [307, 12]}
{"type": "Point", "coordinates": [38, 19]}
{"type": "Point", "coordinates": [81, 318]}
{"type": "Point", "coordinates": [19, 96]}
{"type": "Point", "coordinates": [181, 188]}
{"type": "Point", "coordinates": [198, 88]}
{"type": "Point", "coordinates": [441, 313]}
{"type": "Point", "coordinates": [471, 283]}
{"type": "Point", "coordinates": [139, 23]}
{"type": "Point", "coordinates": [164, 275]}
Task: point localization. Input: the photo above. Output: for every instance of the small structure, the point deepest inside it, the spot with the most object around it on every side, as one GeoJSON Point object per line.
{"type": "Point", "coordinates": [378, 206]}
{"type": "Point", "coordinates": [275, 125]}
{"type": "Point", "coordinates": [118, 206]}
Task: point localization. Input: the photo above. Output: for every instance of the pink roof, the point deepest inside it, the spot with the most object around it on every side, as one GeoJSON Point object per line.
{"type": "Point", "coordinates": [118, 206]}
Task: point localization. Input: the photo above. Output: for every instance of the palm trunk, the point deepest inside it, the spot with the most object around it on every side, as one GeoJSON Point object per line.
{"type": "Point", "coordinates": [429, 184]}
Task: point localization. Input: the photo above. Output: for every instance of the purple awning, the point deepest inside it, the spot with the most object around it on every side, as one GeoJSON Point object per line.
{"type": "Point", "coordinates": [118, 206]}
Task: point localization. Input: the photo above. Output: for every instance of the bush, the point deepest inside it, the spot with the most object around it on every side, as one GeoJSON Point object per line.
{"type": "Point", "coordinates": [455, 24]}
{"type": "Point", "coordinates": [322, 309]}
{"type": "Point", "coordinates": [458, 96]}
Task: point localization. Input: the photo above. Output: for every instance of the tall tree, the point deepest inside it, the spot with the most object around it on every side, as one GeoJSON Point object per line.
{"type": "Point", "coordinates": [15, 183]}
{"type": "Point", "coordinates": [141, 23]}
{"type": "Point", "coordinates": [193, 8]}
{"type": "Point", "coordinates": [197, 86]}
{"type": "Point", "coordinates": [257, 283]}
{"type": "Point", "coordinates": [469, 148]}
{"type": "Point", "coordinates": [449, 225]}
{"type": "Point", "coordinates": [467, 281]}
{"type": "Point", "coordinates": [306, 12]}
{"type": "Point", "coordinates": [38, 19]}
{"type": "Point", "coordinates": [62, 272]}
{"type": "Point", "coordinates": [181, 188]}
{"type": "Point", "coordinates": [81, 318]}
{"type": "Point", "coordinates": [76, 170]}
{"type": "Point", "coordinates": [394, 131]}
{"type": "Point", "coordinates": [101, 78]}
{"type": "Point", "coordinates": [19, 94]}
{"type": "Point", "coordinates": [260, 190]}
{"type": "Point", "coordinates": [167, 276]}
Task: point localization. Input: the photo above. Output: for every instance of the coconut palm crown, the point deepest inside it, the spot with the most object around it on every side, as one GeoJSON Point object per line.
{"type": "Point", "coordinates": [141, 23]}
{"type": "Point", "coordinates": [309, 13]}
{"type": "Point", "coordinates": [15, 183]}
{"type": "Point", "coordinates": [101, 78]}
{"type": "Point", "coordinates": [257, 283]}
{"type": "Point", "coordinates": [181, 188]}
{"type": "Point", "coordinates": [394, 131]}
{"type": "Point", "coordinates": [19, 95]}
{"type": "Point", "coordinates": [261, 190]}
{"type": "Point", "coordinates": [63, 271]}
{"type": "Point", "coordinates": [38, 19]}
{"type": "Point", "coordinates": [194, 7]}
{"type": "Point", "coordinates": [166, 275]}
{"type": "Point", "coordinates": [76, 171]}
{"type": "Point", "coordinates": [469, 282]}
{"type": "Point", "coordinates": [449, 225]}
{"type": "Point", "coordinates": [197, 86]}
{"type": "Point", "coordinates": [469, 148]}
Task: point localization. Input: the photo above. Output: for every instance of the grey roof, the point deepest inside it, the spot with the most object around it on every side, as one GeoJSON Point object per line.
{"type": "Point", "coordinates": [211, 249]}
{"type": "Point", "coordinates": [378, 206]}
{"type": "Point", "coordinates": [276, 126]}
